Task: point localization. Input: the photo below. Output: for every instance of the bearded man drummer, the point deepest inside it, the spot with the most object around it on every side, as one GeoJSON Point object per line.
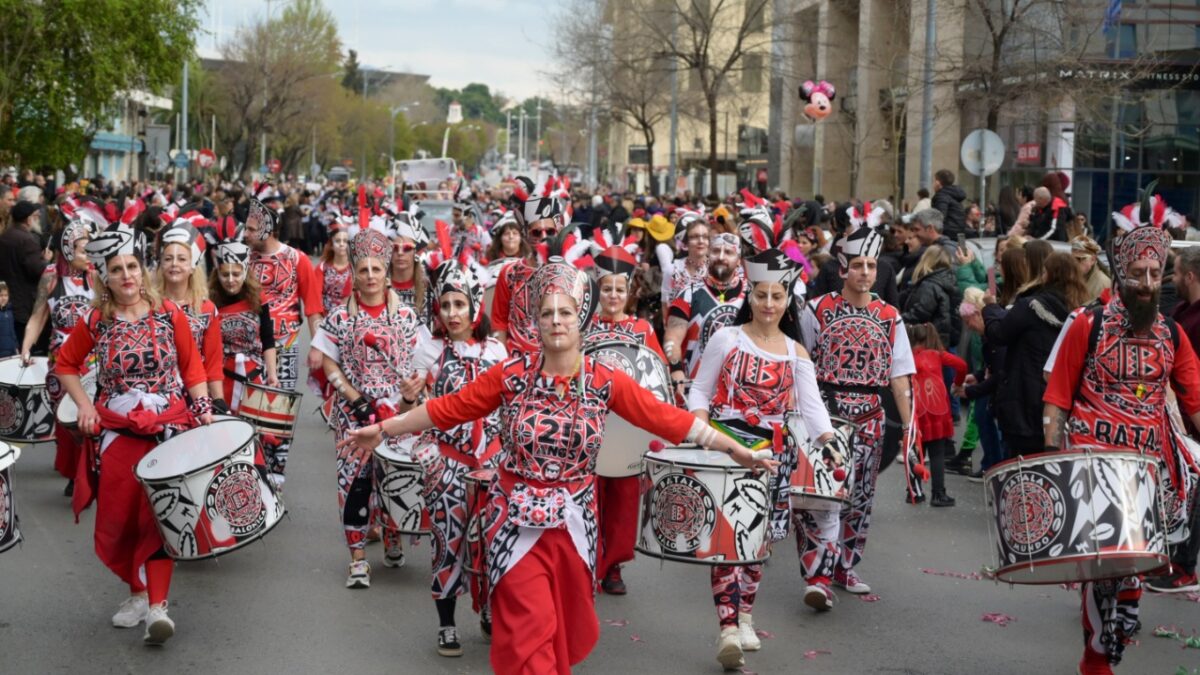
{"type": "Point", "coordinates": [1108, 390]}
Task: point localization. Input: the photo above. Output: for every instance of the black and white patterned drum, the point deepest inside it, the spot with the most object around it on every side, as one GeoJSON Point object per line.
{"type": "Point", "coordinates": [25, 412]}
{"type": "Point", "coordinates": [402, 488]}
{"type": "Point", "coordinates": [67, 415]}
{"type": "Point", "coordinates": [208, 496]}
{"type": "Point", "coordinates": [10, 533]}
{"type": "Point", "coordinates": [1075, 516]}
{"type": "Point", "coordinates": [699, 507]}
{"type": "Point", "coordinates": [624, 444]}
{"type": "Point", "coordinates": [824, 474]}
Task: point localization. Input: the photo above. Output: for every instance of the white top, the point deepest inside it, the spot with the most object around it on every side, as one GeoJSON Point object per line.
{"type": "Point", "coordinates": [429, 351]}
{"type": "Point", "coordinates": [807, 395]}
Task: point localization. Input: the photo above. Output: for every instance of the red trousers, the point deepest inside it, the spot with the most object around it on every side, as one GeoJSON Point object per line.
{"type": "Point", "coordinates": [126, 531]}
{"type": "Point", "coordinates": [617, 502]}
{"type": "Point", "coordinates": [543, 613]}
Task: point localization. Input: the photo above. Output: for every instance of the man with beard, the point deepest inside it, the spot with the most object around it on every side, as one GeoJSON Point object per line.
{"type": "Point", "coordinates": [1120, 404]}
{"type": "Point", "coordinates": [859, 347]}
{"type": "Point", "coordinates": [704, 307]}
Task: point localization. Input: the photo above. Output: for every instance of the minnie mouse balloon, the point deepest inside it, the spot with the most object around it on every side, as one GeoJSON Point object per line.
{"type": "Point", "coordinates": [819, 97]}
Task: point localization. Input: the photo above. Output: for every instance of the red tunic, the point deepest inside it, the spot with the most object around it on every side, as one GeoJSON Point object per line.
{"type": "Point", "coordinates": [511, 311]}
{"type": "Point", "coordinates": [929, 392]}
{"type": "Point", "coordinates": [206, 331]}
{"type": "Point", "coordinates": [289, 284]}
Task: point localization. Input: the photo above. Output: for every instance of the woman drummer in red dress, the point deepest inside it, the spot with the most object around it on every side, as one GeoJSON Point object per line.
{"type": "Point", "coordinates": [751, 375]}
{"type": "Point", "coordinates": [368, 345]}
{"type": "Point", "coordinates": [182, 285]}
{"type": "Point", "coordinates": [247, 331]}
{"type": "Point", "coordinates": [617, 498]}
{"type": "Point", "coordinates": [148, 368]}
{"type": "Point", "coordinates": [64, 298]}
{"type": "Point", "coordinates": [541, 519]}
{"type": "Point", "coordinates": [459, 350]}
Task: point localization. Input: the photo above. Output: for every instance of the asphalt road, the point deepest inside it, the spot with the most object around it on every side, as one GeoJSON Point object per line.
{"type": "Point", "coordinates": [280, 606]}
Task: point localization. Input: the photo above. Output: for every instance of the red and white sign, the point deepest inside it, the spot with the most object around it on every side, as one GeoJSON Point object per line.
{"type": "Point", "coordinates": [761, 176]}
{"type": "Point", "coordinates": [206, 158]}
{"type": "Point", "coordinates": [1029, 153]}
{"type": "Point", "coordinates": [275, 166]}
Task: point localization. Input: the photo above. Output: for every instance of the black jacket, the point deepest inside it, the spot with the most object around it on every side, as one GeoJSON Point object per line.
{"type": "Point", "coordinates": [1056, 215]}
{"type": "Point", "coordinates": [1028, 331]}
{"type": "Point", "coordinates": [934, 300]}
{"type": "Point", "coordinates": [21, 266]}
{"type": "Point", "coordinates": [949, 200]}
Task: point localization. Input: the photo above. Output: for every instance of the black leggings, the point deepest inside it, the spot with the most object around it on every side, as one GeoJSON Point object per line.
{"type": "Point", "coordinates": [936, 453]}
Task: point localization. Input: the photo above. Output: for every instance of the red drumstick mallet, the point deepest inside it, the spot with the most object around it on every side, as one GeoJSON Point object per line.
{"type": "Point", "coordinates": [839, 474]}
{"type": "Point", "coordinates": [656, 445]}
{"type": "Point", "coordinates": [373, 342]}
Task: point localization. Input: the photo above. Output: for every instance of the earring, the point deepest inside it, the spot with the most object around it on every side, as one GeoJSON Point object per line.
{"type": "Point", "coordinates": [143, 292]}
{"type": "Point", "coordinates": [104, 297]}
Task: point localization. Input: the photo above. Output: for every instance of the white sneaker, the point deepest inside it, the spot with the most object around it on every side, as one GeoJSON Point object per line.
{"type": "Point", "coordinates": [131, 612]}
{"type": "Point", "coordinates": [746, 633]}
{"type": "Point", "coordinates": [360, 575]}
{"type": "Point", "coordinates": [729, 649]}
{"type": "Point", "coordinates": [394, 556]}
{"type": "Point", "coordinates": [159, 626]}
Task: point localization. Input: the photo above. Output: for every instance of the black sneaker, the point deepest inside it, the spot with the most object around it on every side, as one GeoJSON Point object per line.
{"type": "Point", "coordinates": [448, 642]}
{"type": "Point", "coordinates": [1179, 582]}
{"type": "Point", "coordinates": [975, 476]}
{"type": "Point", "coordinates": [69, 490]}
{"type": "Point", "coordinates": [941, 499]}
{"type": "Point", "coordinates": [485, 623]}
{"type": "Point", "coordinates": [613, 584]}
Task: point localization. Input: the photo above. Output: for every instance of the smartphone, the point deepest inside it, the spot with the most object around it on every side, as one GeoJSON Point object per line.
{"type": "Point", "coordinates": [962, 242]}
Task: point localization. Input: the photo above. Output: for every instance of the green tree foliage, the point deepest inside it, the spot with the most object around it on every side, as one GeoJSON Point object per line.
{"type": "Point", "coordinates": [477, 100]}
{"type": "Point", "coordinates": [63, 64]}
{"type": "Point", "coordinates": [352, 79]}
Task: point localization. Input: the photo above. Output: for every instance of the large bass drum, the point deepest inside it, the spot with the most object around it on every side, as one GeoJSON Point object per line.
{"type": "Point", "coordinates": [25, 412]}
{"type": "Point", "coordinates": [10, 533]}
{"type": "Point", "coordinates": [1062, 517]}
{"type": "Point", "coordinates": [623, 445]}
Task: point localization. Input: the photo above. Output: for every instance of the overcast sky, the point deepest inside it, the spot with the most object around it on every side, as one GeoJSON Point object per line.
{"type": "Point", "coordinates": [502, 43]}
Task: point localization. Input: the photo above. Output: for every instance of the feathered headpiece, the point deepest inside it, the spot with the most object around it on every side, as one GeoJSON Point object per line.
{"type": "Point", "coordinates": [185, 234]}
{"type": "Point", "coordinates": [80, 227]}
{"type": "Point", "coordinates": [117, 239]}
{"type": "Point", "coordinates": [1141, 232]}
{"type": "Point", "coordinates": [772, 266]}
{"type": "Point", "coordinates": [757, 226]}
{"type": "Point", "coordinates": [615, 260]}
{"type": "Point", "coordinates": [864, 235]}
{"type": "Point", "coordinates": [550, 199]}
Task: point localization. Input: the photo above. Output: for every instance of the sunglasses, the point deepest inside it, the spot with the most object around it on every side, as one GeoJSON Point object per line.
{"type": "Point", "coordinates": [405, 248]}
{"type": "Point", "coordinates": [541, 234]}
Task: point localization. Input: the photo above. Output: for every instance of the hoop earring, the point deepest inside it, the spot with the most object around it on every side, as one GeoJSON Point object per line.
{"type": "Point", "coordinates": [143, 291]}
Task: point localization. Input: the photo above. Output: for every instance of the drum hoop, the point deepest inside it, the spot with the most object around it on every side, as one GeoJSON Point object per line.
{"type": "Point", "coordinates": [190, 472]}
{"type": "Point", "coordinates": [1099, 555]}
{"type": "Point", "coordinates": [8, 459]}
{"type": "Point", "coordinates": [701, 561]}
{"type": "Point", "coordinates": [737, 468]}
{"type": "Point", "coordinates": [274, 390]}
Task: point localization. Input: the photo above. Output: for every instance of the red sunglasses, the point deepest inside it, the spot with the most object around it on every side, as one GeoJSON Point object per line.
{"type": "Point", "coordinates": [405, 248]}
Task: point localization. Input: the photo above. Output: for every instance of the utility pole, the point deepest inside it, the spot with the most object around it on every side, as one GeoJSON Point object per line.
{"type": "Point", "coordinates": [183, 139]}
{"type": "Point", "coordinates": [537, 139]}
{"type": "Point", "coordinates": [927, 95]}
{"type": "Point", "coordinates": [1112, 139]}
{"type": "Point", "coordinates": [521, 140]}
{"type": "Point", "coordinates": [672, 165]}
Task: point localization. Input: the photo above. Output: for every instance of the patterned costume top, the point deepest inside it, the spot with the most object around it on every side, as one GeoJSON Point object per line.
{"type": "Point", "coordinates": [289, 284]}
{"type": "Point", "coordinates": [451, 365]}
{"type": "Point", "coordinates": [68, 302]}
{"type": "Point", "coordinates": [1117, 392]}
{"type": "Point", "coordinates": [707, 309]}
{"type": "Point", "coordinates": [246, 332]}
{"type": "Point", "coordinates": [678, 278]}
{"type": "Point", "coordinates": [407, 292]}
{"type": "Point", "coordinates": [206, 331]}
{"type": "Point", "coordinates": [375, 371]}
{"type": "Point", "coordinates": [551, 429]}
{"type": "Point", "coordinates": [853, 348]}
{"type": "Point", "coordinates": [472, 241]}
{"type": "Point", "coordinates": [630, 329]}
{"type": "Point", "coordinates": [335, 284]}
{"type": "Point", "coordinates": [511, 308]}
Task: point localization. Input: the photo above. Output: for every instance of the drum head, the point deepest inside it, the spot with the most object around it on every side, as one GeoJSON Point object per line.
{"type": "Point", "coordinates": [12, 371]}
{"type": "Point", "coordinates": [400, 452]}
{"type": "Point", "coordinates": [623, 445]}
{"type": "Point", "coordinates": [9, 454]}
{"type": "Point", "coordinates": [195, 449]}
{"type": "Point", "coordinates": [694, 457]}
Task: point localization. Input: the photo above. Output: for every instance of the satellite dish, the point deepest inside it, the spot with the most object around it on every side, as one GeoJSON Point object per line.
{"type": "Point", "coordinates": [982, 152]}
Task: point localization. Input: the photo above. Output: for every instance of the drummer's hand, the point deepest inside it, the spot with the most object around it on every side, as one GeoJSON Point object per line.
{"type": "Point", "coordinates": [677, 378]}
{"type": "Point", "coordinates": [315, 358]}
{"type": "Point", "coordinates": [364, 438]}
{"type": "Point", "coordinates": [26, 359]}
{"type": "Point", "coordinates": [272, 380]}
{"type": "Point", "coordinates": [89, 420]}
{"type": "Point", "coordinates": [825, 438]}
{"type": "Point", "coordinates": [411, 387]}
{"type": "Point", "coordinates": [206, 418]}
{"type": "Point", "coordinates": [746, 458]}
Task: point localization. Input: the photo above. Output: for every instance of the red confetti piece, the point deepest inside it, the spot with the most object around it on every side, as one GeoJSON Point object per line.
{"type": "Point", "coordinates": [619, 623]}
{"type": "Point", "coordinates": [636, 638]}
{"type": "Point", "coordinates": [814, 653]}
{"type": "Point", "coordinates": [973, 576]}
{"type": "Point", "coordinates": [748, 672]}
{"type": "Point", "coordinates": [870, 597]}
{"type": "Point", "coordinates": [997, 618]}
{"type": "Point", "coordinates": [764, 634]}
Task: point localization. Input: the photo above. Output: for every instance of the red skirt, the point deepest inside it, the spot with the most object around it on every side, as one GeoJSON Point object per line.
{"type": "Point", "coordinates": [126, 531]}
{"type": "Point", "coordinates": [66, 451]}
{"type": "Point", "coordinates": [543, 612]}
{"type": "Point", "coordinates": [617, 503]}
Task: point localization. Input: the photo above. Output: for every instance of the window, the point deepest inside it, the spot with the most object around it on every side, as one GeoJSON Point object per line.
{"type": "Point", "coordinates": [752, 73]}
{"type": "Point", "coordinates": [756, 15]}
{"type": "Point", "coordinates": [639, 154]}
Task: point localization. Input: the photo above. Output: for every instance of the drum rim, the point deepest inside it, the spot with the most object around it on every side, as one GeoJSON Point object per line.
{"type": "Point", "coordinates": [9, 454]}
{"type": "Point", "coordinates": [191, 472]}
{"type": "Point", "coordinates": [1040, 457]}
{"type": "Point", "coordinates": [736, 468]}
{"type": "Point", "coordinates": [274, 390]}
{"type": "Point", "coordinates": [701, 561]}
{"type": "Point", "coordinates": [245, 542]}
{"type": "Point", "coordinates": [36, 439]}
{"type": "Point", "coordinates": [412, 461]}
{"type": "Point", "coordinates": [1163, 559]}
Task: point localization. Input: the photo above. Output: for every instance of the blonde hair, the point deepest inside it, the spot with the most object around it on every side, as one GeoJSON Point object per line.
{"type": "Point", "coordinates": [973, 296]}
{"type": "Point", "coordinates": [934, 258]}
{"type": "Point", "coordinates": [106, 305]}
{"type": "Point", "coordinates": [197, 291]}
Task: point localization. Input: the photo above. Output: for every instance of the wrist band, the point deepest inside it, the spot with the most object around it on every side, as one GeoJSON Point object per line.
{"type": "Point", "coordinates": [677, 367]}
{"type": "Point", "coordinates": [202, 405]}
{"type": "Point", "coordinates": [407, 400]}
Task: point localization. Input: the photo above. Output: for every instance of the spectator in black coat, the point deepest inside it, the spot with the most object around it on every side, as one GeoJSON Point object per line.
{"type": "Point", "coordinates": [948, 198]}
{"type": "Point", "coordinates": [1028, 332]}
{"type": "Point", "coordinates": [934, 297]}
{"type": "Point", "coordinates": [22, 261]}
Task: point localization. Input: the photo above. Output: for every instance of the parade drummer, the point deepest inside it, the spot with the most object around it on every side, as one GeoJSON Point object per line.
{"type": "Point", "coordinates": [64, 297]}
{"type": "Point", "coordinates": [182, 285]}
{"type": "Point", "coordinates": [704, 307]}
{"type": "Point", "coordinates": [459, 351]}
{"type": "Point", "coordinates": [293, 294]}
{"type": "Point", "coordinates": [244, 316]}
{"type": "Point", "coordinates": [508, 243]}
{"type": "Point", "coordinates": [859, 346]}
{"type": "Point", "coordinates": [541, 520]}
{"type": "Point", "coordinates": [409, 276]}
{"type": "Point", "coordinates": [617, 497]}
{"type": "Point", "coordinates": [148, 368]}
{"type": "Point", "coordinates": [750, 376]}
{"type": "Point", "coordinates": [368, 346]}
{"type": "Point", "coordinates": [1121, 404]}
{"type": "Point", "coordinates": [334, 269]}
